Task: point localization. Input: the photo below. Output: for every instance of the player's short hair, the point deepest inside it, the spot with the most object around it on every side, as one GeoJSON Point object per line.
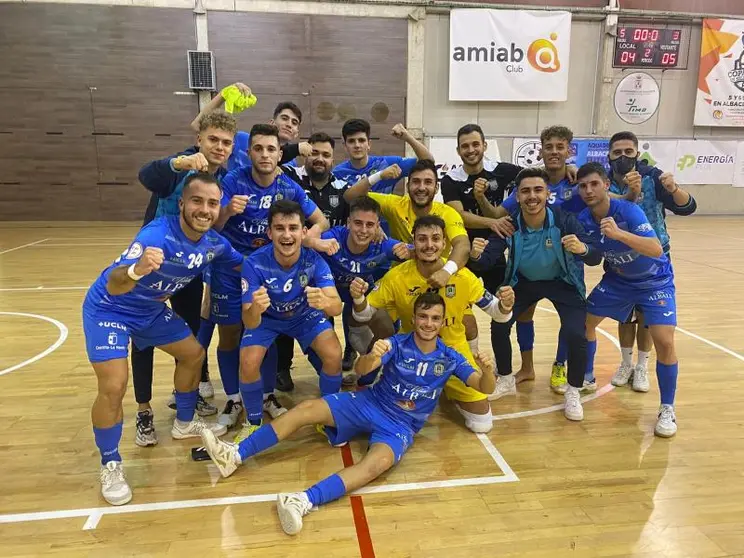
{"type": "Point", "coordinates": [427, 300]}
{"type": "Point", "coordinates": [532, 172]}
{"type": "Point", "coordinates": [204, 177]}
{"type": "Point", "coordinates": [424, 165]}
{"type": "Point", "coordinates": [219, 119]}
{"type": "Point", "coordinates": [354, 126]}
{"type": "Point", "coordinates": [427, 221]}
{"type": "Point", "coordinates": [288, 105]}
{"type": "Point", "coordinates": [286, 208]}
{"type": "Point", "coordinates": [624, 136]}
{"type": "Point", "coordinates": [561, 132]}
{"type": "Point", "coordinates": [321, 137]}
{"type": "Point", "coordinates": [590, 168]}
{"type": "Point", "coordinates": [469, 129]}
{"type": "Point", "coordinates": [264, 130]}
{"type": "Point", "coordinates": [365, 203]}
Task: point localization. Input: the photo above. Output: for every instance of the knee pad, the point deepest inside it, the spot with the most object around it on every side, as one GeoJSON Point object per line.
{"type": "Point", "coordinates": [480, 424]}
{"type": "Point", "coordinates": [359, 338]}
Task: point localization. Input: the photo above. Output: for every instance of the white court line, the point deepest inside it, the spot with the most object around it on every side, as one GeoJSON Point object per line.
{"type": "Point", "coordinates": [711, 343]}
{"type": "Point", "coordinates": [42, 289]}
{"type": "Point", "coordinates": [23, 246]}
{"type": "Point", "coordinates": [63, 332]}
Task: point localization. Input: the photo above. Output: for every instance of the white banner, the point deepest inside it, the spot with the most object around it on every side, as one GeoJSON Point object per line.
{"type": "Point", "coordinates": [444, 150]}
{"type": "Point", "coordinates": [509, 55]}
{"type": "Point", "coordinates": [636, 98]}
{"type": "Point", "coordinates": [739, 166]}
{"type": "Point", "coordinates": [720, 92]}
{"type": "Point", "coordinates": [705, 162]}
{"type": "Point", "coordinates": [658, 153]}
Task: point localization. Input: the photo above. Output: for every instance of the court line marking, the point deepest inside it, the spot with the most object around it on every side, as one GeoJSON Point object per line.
{"type": "Point", "coordinates": [23, 246]}
{"type": "Point", "coordinates": [361, 525]}
{"type": "Point", "coordinates": [63, 332]}
{"type": "Point", "coordinates": [712, 344]}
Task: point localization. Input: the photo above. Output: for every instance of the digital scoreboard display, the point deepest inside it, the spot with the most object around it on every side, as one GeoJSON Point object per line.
{"type": "Point", "coordinates": [647, 47]}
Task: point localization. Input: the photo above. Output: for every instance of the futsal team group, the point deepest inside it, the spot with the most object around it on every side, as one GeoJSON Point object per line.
{"type": "Point", "coordinates": [241, 237]}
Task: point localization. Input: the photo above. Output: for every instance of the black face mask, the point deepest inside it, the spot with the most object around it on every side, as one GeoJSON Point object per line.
{"type": "Point", "coordinates": [623, 164]}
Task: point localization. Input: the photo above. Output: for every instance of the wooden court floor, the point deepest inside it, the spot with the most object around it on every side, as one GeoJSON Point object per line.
{"type": "Point", "coordinates": [535, 486]}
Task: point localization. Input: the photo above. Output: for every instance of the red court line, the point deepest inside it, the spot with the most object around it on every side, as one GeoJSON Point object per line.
{"type": "Point", "coordinates": [366, 549]}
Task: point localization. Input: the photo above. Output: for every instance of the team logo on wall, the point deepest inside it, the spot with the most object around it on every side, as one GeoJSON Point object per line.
{"type": "Point", "coordinates": [737, 74]}
{"type": "Point", "coordinates": [528, 154]}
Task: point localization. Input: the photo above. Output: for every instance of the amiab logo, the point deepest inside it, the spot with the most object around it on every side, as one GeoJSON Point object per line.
{"type": "Point", "coordinates": [542, 55]}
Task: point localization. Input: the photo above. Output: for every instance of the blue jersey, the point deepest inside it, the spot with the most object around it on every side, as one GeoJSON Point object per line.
{"type": "Point", "coordinates": [375, 163]}
{"type": "Point", "coordinates": [622, 263]}
{"type": "Point", "coordinates": [562, 195]}
{"type": "Point", "coordinates": [370, 265]}
{"type": "Point", "coordinates": [412, 381]}
{"type": "Point", "coordinates": [286, 287]}
{"type": "Point", "coordinates": [183, 260]}
{"type": "Point", "coordinates": [247, 231]}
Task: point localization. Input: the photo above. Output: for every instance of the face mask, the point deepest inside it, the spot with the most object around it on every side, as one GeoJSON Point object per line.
{"type": "Point", "coordinates": [623, 164]}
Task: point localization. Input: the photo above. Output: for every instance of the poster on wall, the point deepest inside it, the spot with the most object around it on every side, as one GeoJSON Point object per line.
{"type": "Point", "coordinates": [720, 91]}
{"type": "Point", "coordinates": [509, 55]}
{"type": "Point", "coordinates": [739, 166]}
{"type": "Point", "coordinates": [705, 162]}
{"type": "Point", "coordinates": [526, 152]}
{"type": "Point", "coordinates": [661, 154]}
{"type": "Point", "coordinates": [637, 98]}
{"type": "Point", "coordinates": [444, 150]}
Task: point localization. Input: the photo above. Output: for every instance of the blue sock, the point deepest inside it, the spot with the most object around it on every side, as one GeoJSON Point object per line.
{"type": "Point", "coordinates": [186, 405]}
{"type": "Point", "coordinates": [327, 490]}
{"type": "Point", "coordinates": [107, 440]}
{"type": "Point", "coordinates": [314, 359]}
{"type": "Point", "coordinates": [667, 376]}
{"type": "Point", "coordinates": [253, 401]}
{"type": "Point", "coordinates": [206, 330]}
{"type": "Point", "coordinates": [526, 336]}
{"type": "Point", "coordinates": [561, 353]}
{"type": "Point", "coordinates": [262, 439]}
{"type": "Point", "coordinates": [591, 350]}
{"type": "Point", "coordinates": [329, 384]}
{"type": "Point", "coordinates": [229, 363]}
{"type": "Point", "coordinates": [369, 378]}
{"type": "Point", "coordinates": [268, 368]}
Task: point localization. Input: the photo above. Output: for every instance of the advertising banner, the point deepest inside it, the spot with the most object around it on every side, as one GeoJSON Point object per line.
{"type": "Point", "coordinates": [705, 162]}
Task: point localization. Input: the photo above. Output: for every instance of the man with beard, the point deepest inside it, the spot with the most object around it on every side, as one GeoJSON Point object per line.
{"type": "Point", "coordinates": [249, 192]}
{"type": "Point", "coordinates": [128, 301]}
{"type": "Point", "coordinates": [655, 192]}
{"type": "Point", "coordinates": [165, 178]}
{"type": "Point", "coordinates": [417, 366]}
{"type": "Point", "coordinates": [395, 292]}
{"type": "Point", "coordinates": [544, 254]}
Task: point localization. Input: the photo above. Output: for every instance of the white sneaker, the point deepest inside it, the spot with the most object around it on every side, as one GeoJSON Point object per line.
{"type": "Point", "coordinates": [640, 378]}
{"type": "Point", "coordinates": [573, 410]}
{"type": "Point", "coordinates": [114, 486]}
{"type": "Point", "coordinates": [622, 375]}
{"type": "Point", "coordinates": [505, 385]}
{"type": "Point", "coordinates": [590, 386]}
{"type": "Point", "coordinates": [666, 424]}
{"type": "Point", "coordinates": [224, 454]}
{"type": "Point", "coordinates": [206, 390]}
{"type": "Point", "coordinates": [230, 414]}
{"type": "Point", "coordinates": [291, 509]}
{"type": "Point", "coordinates": [194, 428]}
{"type": "Point", "coordinates": [272, 406]}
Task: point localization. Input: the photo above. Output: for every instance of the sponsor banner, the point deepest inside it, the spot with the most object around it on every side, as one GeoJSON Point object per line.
{"type": "Point", "coordinates": [739, 166]}
{"type": "Point", "coordinates": [720, 91]}
{"type": "Point", "coordinates": [658, 153]}
{"type": "Point", "coordinates": [705, 162]}
{"type": "Point", "coordinates": [444, 150]}
{"type": "Point", "coordinates": [509, 55]}
{"type": "Point", "coordinates": [526, 152]}
{"type": "Point", "coordinates": [637, 98]}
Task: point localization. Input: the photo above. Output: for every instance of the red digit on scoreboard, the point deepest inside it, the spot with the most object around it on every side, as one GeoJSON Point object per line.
{"type": "Point", "coordinates": [654, 36]}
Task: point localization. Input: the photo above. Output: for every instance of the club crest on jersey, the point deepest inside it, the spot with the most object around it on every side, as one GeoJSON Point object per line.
{"type": "Point", "coordinates": [438, 369]}
{"type": "Point", "coordinates": [449, 291]}
{"type": "Point", "coordinates": [567, 194]}
{"type": "Point", "coordinates": [493, 184]}
{"type": "Point", "coordinates": [371, 264]}
{"type": "Point", "coordinates": [135, 251]}
{"type": "Point", "coordinates": [303, 280]}
{"type": "Point", "coordinates": [279, 196]}
{"type": "Point", "coordinates": [334, 200]}
{"type": "Point", "coordinates": [243, 285]}
{"type": "Point", "coordinates": [215, 308]}
{"type": "Point", "coordinates": [548, 243]}
{"type": "Point", "coordinates": [210, 255]}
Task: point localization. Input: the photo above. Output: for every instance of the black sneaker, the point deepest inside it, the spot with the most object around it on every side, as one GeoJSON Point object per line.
{"type": "Point", "coordinates": [145, 433]}
{"type": "Point", "coordinates": [350, 356]}
{"type": "Point", "coordinates": [203, 407]}
{"type": "Point", "coordinates": [284, 380]}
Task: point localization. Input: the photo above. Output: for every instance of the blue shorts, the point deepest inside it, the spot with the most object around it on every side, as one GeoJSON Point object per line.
{"type": "Point", "coordinates": [225, 297]}
{"type": "Point", "coordinates": [617, 301]}
{"type": "Point", "coordinates": [356, 412]}
{"type": "Point", "coordinates": [304, 327]}
{"type": "Point", "coordinates": [107, 331]}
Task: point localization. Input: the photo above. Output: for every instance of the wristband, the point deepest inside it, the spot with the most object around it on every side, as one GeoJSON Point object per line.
{"type": "Point", "coordinates": [132, 275]}
{"type": "Point", "coordinates": [375, 178]}
{"type": "Point", "coordinates": [451, 267]}
{"type": "Point", "coordinates": [357, 301]}
{"type": "Point", "coordinates": [174, 161]}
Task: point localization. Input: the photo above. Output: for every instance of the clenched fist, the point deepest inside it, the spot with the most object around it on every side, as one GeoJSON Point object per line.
{"type": "Point", "coordinates": [305, 149]}
{"type": "Point", "coordinates": [633, 180]}
{"type": "Point", "coordinates": [391, 172]}
{"type": "Point", "coordinates": [399, 131]}
{"type": "Point", "coordinates": [572, 244]}
{"type": "Point", "coordinates": [506, 298]}
{"type": "Point", "coordinates": [402, 251]}
{"type": "Point", "coordinates": [667, 181]}
{"type": "Point", "coordinates": [358, 288]}
{"type": "Point", "coordinates": [609, 228]}
{"type": "Point", "coordinates": [381, 347]}
{"type": "Point", "coordinates": [150, 260]}
{"type": "Point", "coordinates": [261, 299]}
{"type": "Point", "coordinates": [479, 187]}
{"type": "Point", "coordinates": [237, 205]}
{"type": "Point", "coordinates": [328, 246]}
{"type": "Point", "coordinates": [315, 297]}
{"type": "Point", "coordinates": [197, 162]}
{"type": "Point", "coordinates": [477, 247]}
{"type": "Point", "coordinates": [485, 363]}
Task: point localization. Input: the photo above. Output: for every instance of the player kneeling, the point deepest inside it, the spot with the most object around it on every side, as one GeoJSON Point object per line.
{"type": "Point", "coordinates": [417, 365]}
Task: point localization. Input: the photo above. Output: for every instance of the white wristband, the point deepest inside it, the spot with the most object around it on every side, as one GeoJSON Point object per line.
{"type": "Point", "coordinates": [357, 301]}
{"type": "Point", "coordinates": [375, 178]}
{"type": "Point", "coordinates": [132, 275]}
{"type": "Point", "coordinates": [451, 267]}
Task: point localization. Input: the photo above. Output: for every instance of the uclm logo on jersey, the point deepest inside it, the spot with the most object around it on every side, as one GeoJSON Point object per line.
{"type": "Point", "coordinates": [542, 55]}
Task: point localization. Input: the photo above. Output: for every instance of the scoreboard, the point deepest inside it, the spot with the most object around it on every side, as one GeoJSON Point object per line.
{"type": "Point", "coordinates": [647, 47]}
